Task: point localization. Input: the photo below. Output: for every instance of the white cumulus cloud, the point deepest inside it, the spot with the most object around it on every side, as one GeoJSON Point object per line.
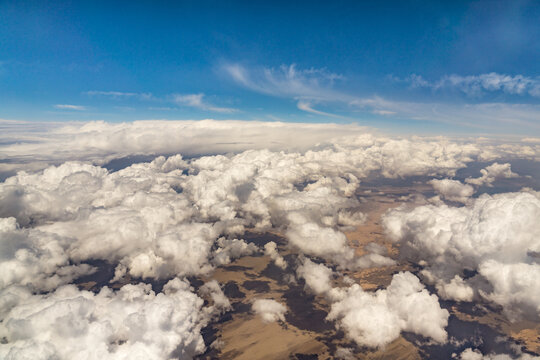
{"type": "Point", "coordinates": [376, 319]}
{"type": "Point", "coordinates": [491, 173]}
{"type": "Point", "coordinates": [269, 310]}
{"type": "Point", "coordinates": [129, 323]}
{"type": "Point", "coordinates": [452, 190]}
{"type": "Point", "coordinates": [496, 236]}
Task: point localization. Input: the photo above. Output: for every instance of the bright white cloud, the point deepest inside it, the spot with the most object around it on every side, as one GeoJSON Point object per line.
{"type": "Point", "coordinates": [129, 323]}
{"type": "Point", "coordinates": [318, 277]}
{"type": "Point", "coordinates": [230, 249]}
{"type": "Point", "coordinates": [270, 249]}
{"type": "Point", "coordinates": [491, 173]}
{"type": "Point", "coordinates": [269, 310]}
{"type": "Point", "coordinates": [34, 258]}
{"type": "Point", "coordinates": [376, 319]}
{"type": "Point", "coordinates": [101, 142]}
{"type": "Point", "coordinates": [452, 190]}
{"type": "Point", "coordinates": [354, 151]}
{"type": "Point", "coordinates": [213, 290]}
{"type": "Point", "coordinates": [497, 236]}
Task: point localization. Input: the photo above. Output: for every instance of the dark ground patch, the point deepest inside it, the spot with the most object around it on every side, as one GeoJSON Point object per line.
{"type": "Point", "coordinates": [241, 308]}
{"type": "Point", "coordinates": [262, 239]}
{"type": "Point", "coordinates": [122, 163]}
{"type": "Point", "coordinates": [275, 273]}
{"type": "Point", "coordinates": [236, 268]}
{"type": "Point", "coordinates": [468, 334]}
{"type": "Point", "coordinates": [257, 285]}
{"type": "Point", "coordinates": [304, 357]}
{"type": "Point", "coordinates": [209, 336]}
{"type": "Point", "coordinates": [232, 290]}
{"type": "Point", "coordinates": [101, 278]}
{"type": "Point", "coordinates": [302, 313]}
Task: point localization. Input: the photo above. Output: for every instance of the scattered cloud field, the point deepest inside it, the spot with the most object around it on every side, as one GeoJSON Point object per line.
{"type": "Point", "coordinates": [182, 196]}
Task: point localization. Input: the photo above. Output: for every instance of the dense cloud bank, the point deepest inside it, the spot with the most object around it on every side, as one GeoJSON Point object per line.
{"type": "Point", "coordinates": [175, 217]}
{"type": "Point", "coordinates": [487, 249]}
{"type": "Point", "coordinates": [32, 146]}
{"type": "Point", "coordinates": [29, 145]}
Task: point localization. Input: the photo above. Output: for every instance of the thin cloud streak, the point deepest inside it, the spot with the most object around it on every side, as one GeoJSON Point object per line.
{"type": "Point", "coordinates": [197, 101]}
{"type": "Point", "coordinates": [191, 100]}
{"type": "Point", "coordinates": [70, 107]}
{"type": "Point", "coordinates": [307, 106]}
{"type": "Point", "coordinates": [288, 81]}
{"type": "Point", "coordinates": [120, 94]}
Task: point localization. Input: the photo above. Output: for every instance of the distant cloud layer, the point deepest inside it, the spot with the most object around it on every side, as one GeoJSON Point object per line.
{"type": "Point", "coordinates": [28, 145]}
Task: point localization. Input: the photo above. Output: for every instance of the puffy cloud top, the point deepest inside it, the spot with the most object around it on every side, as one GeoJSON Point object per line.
{"type": "Point", "coordinates": [497, 236]}
{"type": "Point", "coordinates": [491, 173]}
{"type": "Point", "coordinates": [270, 310]}
{"type": "Point", "coordinates": [376, 319]}
{"type": "Point", "coordinates": [452, 190]}
{"type": "Point", "coordinates": [129, 323]}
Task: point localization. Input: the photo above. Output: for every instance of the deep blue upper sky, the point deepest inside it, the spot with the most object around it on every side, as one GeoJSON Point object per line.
{"type": "Point", "coordinates": [404, 65]}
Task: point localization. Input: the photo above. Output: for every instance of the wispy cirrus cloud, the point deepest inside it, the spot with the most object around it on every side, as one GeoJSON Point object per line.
{"type": "Point", "coordinates": [318, 86]}
{"type": "Point", "coordinates": [307, 106]}
{"type": "Point", "coordinates": [191, 100]}
{"type": "Point", "coordinates": [287, 80]}
{"type": "Point", "coordinates": [70, 107]}
{"type": "Point", "coordinates": [476, 85]}
{"type": "Point", "coordinates": [307, 86]}
{"type": "Point", "coordinates": [120, 94]}
{"type": "Point", "coordinates": [197, 101]}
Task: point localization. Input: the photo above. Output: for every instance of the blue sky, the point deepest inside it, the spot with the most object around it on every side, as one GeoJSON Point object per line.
{"type": "Point", "coordinates": [412, 66]}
